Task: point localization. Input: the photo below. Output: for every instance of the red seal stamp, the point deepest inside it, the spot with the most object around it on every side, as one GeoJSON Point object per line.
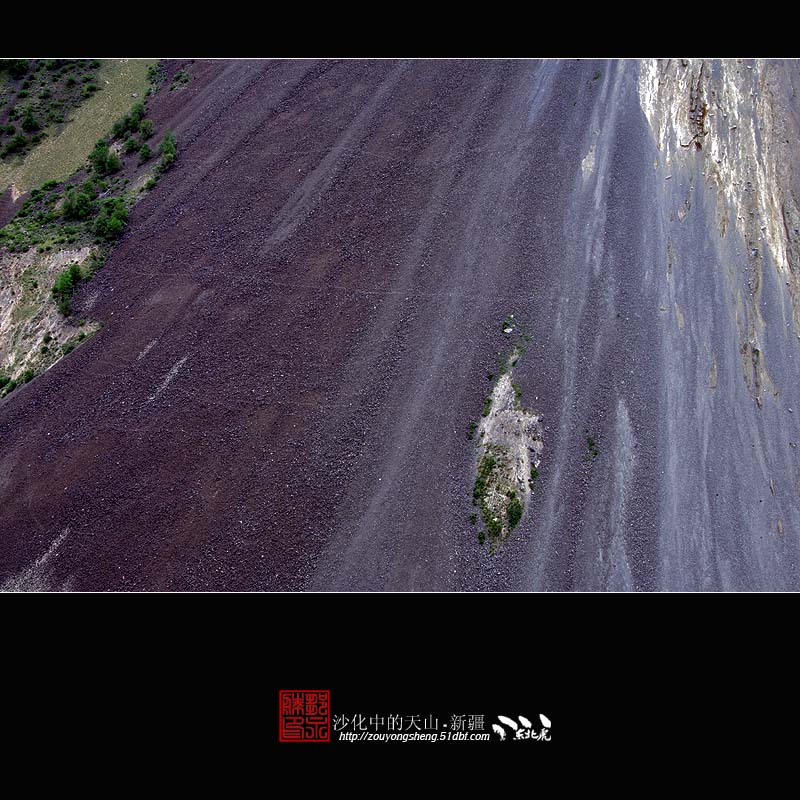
{"type": "Point", "coordinates": [304, 715]}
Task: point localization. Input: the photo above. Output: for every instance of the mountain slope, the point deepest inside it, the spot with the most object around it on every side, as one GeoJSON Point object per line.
{"type": "Point", "coordinates": [300, 323]}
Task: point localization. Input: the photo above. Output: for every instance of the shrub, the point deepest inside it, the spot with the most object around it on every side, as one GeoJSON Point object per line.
{"type": "Point", "coordinates": [64, 286]}
{"type": "Point", "coordinates": [10, 129]}
{"type": "Point", "coordinates": [29, 122]}
{"type": "Point", "coordinates": [23, 94]}
{"type": "Point", "coordinates": [103, 159]}
{"type": "Point", "coordinates": [136, 115]}
{"type": "Point", "coordinates": [120, 127]}
{"type": "Point", "coordinates": [131, 145]}
{"type": "Point", "coordinates": [146, 128]}
{"type": "Point", "coordinates": [17, 143]}
{"type": "Point", "coordinates": [98, 156]}
{"type": "Point", "coordinates": [169, 150]}
{"type": "Point", "coordinates": [90, 187]}
{"type": "Point", "coordinates": [49, 185]}
{"type": "Point", "coordinates": [70, 81]}
{"type": "Point", "coordinates": [144, 153]}
{"type": "Point", "coordinates": [151, 182]}
{"type": "Point", "coordinates": [27, 376]}
{"type": "Point", "coordinates": [130, 122]}
{"type": "Point", "coordinates": [111, 219]}
{"type": "Point", "coordinates": [77, 205]}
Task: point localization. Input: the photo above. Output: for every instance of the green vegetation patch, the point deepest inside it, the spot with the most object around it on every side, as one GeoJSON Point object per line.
{"type": "Point", "coordinates": [494, 494]}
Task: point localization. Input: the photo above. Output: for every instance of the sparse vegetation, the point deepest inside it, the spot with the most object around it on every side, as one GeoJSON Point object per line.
{"type": "Point", "coordinates": [591, 449]}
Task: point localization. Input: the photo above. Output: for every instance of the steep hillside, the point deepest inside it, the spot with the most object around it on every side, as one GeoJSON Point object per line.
{"type": "Point", "coordinates": [360, 278]}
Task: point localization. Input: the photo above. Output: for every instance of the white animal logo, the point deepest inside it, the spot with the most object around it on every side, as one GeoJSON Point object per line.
{"type": "Point", "coordinates": [524, 732]}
